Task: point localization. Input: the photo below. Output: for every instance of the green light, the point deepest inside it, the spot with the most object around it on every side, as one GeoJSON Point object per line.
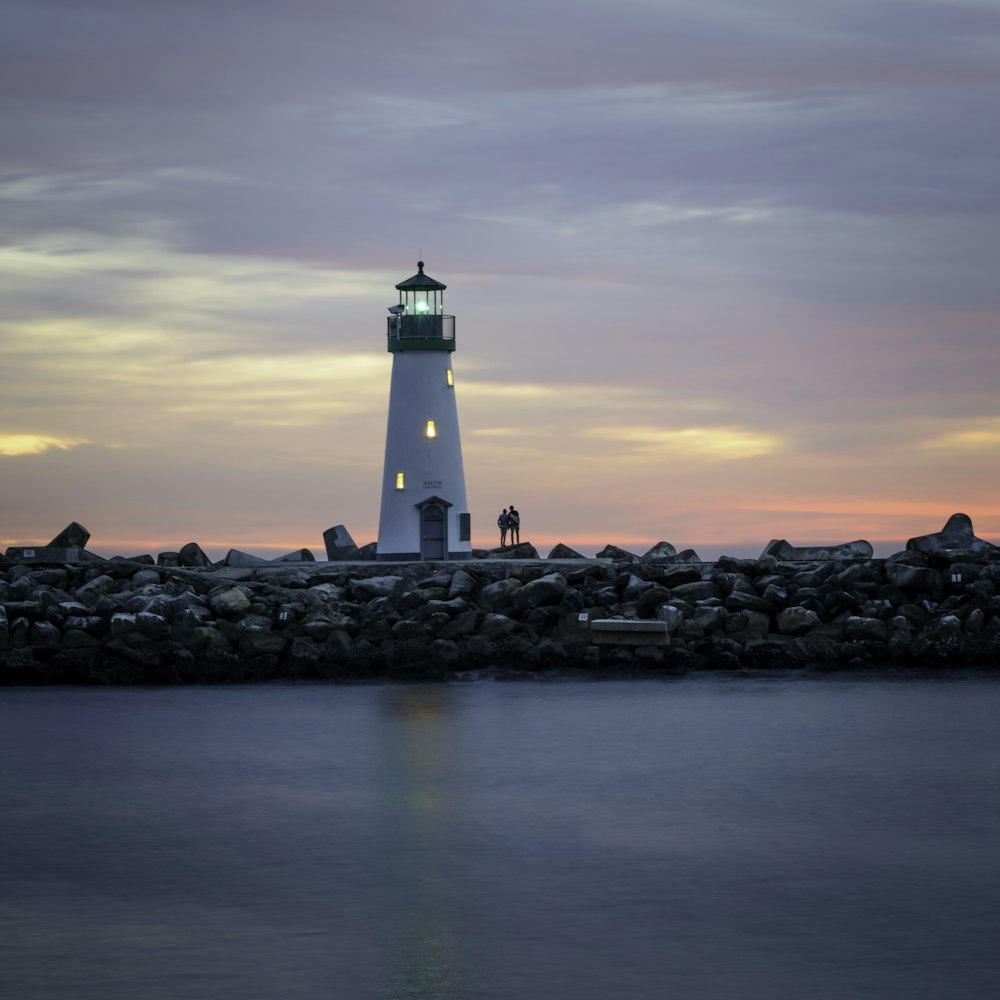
{"type": "Point", "coordinates": [421, 307]}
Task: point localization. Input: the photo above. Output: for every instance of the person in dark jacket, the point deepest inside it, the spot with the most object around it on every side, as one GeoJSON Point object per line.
{"type": "Point", "coordinates": [514, 523]}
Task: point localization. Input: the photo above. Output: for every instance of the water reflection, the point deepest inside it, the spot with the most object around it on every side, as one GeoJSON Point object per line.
{"type": "Point", "coordinates": [698, 840]}
{"type": "Point", "coordinates": [427, 953]}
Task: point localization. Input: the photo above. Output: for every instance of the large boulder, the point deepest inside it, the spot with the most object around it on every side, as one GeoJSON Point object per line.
{"type": "Point", "coordinates": [523, 550]}
{"type": "Point", "coordinates": [464, 623]}
{"type": "Point", "coordinates": [192, 555]}
{"type": "Point", "coordinates": [785, 552]}
{"type": "Point", "coordinates": [303, 657]}
{"type": "Point", "coordinates": [43, 635]}
{"type": "Point", "coordinates": [796, 621]}
{"type": "Point", "coordinates": [545, 591]}
{"type": "Point", "coordinates": [146, 578]}
{"type": "Point", "coordinates": [319, 625]}
{"type": "Point", "coordinates": [229, 602]}
{"type": "Point", "coordinates": [143, 560]}
{"type": "Point", "coordinates": [661, 550]}
{"type": "Point", "coordinates": [299, 555]}
{"type": "Point", "coordinates": [940, 641]}
{"type": "Point", "coordinates": [90, 592]}
{"type": "Point", "coordinates": [775, 596]}
{"type": "Point", "coordinates": [741, 600]}
{"type": "Point", "coordinates": [704, 620]}
{"type": "Point", "coordinates": [748, 624]}
{"type": "Point", "coordinates": [74, 535]}
{"type": "Point", "coordinates": [912, 580]}
{"type": "Point", "coordinates": [687, 556]}
{"type": "Point", "coordinates": [461, 585]}
{"type": "Point", "coordinates": [635, 587]}
{"type": "Point", "coordinates": [699, 590]}
{"type": "Point", "coordinates": [375, 586]}
{"type": "Point", "coordinates": [858, 628]}
{"type": "Point", "coordinates": [650, 601]}
{"type": "Point", "coordinates": [677, 576]}
{"type": "Point", "coordinates": [236, 558]}
{"type": "Point", "coordinates": [409, 628]}
{"type": "Point", "coordinates": [339, 544]}
{"type": "Point", "coordinates": [564, 552]}
{"type": "Point", "coordinates": [956, 534]}
{"type": "Point", "coordinates": [497, 596]}
{"type": "Point", "coordinates": [326, 593]}
{"type": "Point", "coordinates": [493, 626]}
{"type": "Point", "coordinates": [671, 616]}
{"type": "Point", "coordinates": [617, 554]}
{"type": "Point", "coordinates": [261, 642]}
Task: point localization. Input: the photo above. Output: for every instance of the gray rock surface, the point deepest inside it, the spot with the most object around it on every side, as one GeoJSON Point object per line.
{"type": "Point", "coordinates": [192, 555]}
{"type": "Point", "coordinates": [561, 551]}
{"type": "Point", "coordinates": [74, 535]}
{"type": "Point", "coordinates": [524, 550]}
{"type": "Point", "coordinates": [956, 534]}
{"type": "Point", "coordinates": [661, 550]}
{"type": "Point", "coordinates": [229, 602]}
{"type": "Point", "coordinates": [299, 555]}
{"type": "Point", "coordinates": [617, 554]}
{"type": "Point", "coordinates": [340, 546]}
{"type": "Point", "coordinates": [785, 552]}
{"type": "Point", "coordinates": [234, 557]}
{"type": "Point", "coordinates": [123, 622]}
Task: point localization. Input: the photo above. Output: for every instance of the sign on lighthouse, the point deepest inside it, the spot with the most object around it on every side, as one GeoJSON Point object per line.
{"type": "Point", "coordinates": [424, 512]}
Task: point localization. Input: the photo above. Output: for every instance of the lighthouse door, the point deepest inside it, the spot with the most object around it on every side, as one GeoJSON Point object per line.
{"type": "Point", "coordinates": [433, 540]}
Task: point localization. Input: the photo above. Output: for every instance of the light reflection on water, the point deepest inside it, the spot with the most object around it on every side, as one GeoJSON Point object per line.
{"type": "Point", "coordinates": [699, 838]}
{"type": "Point", "coordinates": [428, 958]}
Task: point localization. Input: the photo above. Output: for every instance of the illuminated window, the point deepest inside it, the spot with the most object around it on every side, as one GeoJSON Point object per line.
{"type": "Point", "coordinates": [399, 481]}
{"type": "Point", "coordinates": [451, 379]}
{"type": "Point", "coordinates": [430, 431]}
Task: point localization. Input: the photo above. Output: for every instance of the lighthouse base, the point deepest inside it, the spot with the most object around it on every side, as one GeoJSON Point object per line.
{"type": "Point", "coordinates": [416, 557]}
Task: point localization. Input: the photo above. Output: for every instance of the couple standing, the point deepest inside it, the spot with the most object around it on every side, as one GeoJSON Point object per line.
{"type": "Point", "coordinates": [510, 521]}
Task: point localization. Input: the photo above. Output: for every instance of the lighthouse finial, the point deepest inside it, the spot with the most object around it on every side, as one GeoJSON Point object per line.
{"type": "Point", "coordinates": [420, 266]}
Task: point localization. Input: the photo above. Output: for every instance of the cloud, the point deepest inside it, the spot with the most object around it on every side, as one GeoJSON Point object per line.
{"type": "Point", "coordinates": [12, 445]}
{"type": "Point", "coordinates": [674, 234]}
{"type": "Point", "coordinates": [705, 443]}
{"type": "Point", "coordinates": [982, 438]}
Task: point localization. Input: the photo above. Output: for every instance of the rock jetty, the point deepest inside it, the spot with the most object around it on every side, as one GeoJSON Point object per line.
{"type": "Point", "coordinates": [121, 621]}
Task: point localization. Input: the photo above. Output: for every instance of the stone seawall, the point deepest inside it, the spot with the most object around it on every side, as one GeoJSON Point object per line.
{"type": "Point", "coordinates": [122, 622]}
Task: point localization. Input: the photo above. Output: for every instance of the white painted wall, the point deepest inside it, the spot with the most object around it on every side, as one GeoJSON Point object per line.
{"type": "Point", "coordinates": [419, 392]}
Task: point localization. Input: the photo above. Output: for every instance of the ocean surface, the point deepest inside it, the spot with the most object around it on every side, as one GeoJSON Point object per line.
{"type": "Point", "coordinates": [690, 839]}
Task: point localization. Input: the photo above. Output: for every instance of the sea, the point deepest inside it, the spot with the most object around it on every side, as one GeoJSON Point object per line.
{"type": "Point", "coordinates": [714, 837]}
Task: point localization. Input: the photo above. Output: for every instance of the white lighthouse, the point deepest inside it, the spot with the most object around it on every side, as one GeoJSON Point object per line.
{"type": "Point", "coordinates": [424, 512]}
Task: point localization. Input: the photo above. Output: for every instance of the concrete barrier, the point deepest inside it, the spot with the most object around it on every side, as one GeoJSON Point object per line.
{"type": "Point", "coordinates": [627, 632]}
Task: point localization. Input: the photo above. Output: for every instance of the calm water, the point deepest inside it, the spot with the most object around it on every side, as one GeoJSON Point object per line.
{"type": "Point", "coordinates": [704, 838]}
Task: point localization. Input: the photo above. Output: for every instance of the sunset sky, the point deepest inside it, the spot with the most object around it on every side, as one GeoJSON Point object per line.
{"type": "Point", "coordinates": [722, 272]}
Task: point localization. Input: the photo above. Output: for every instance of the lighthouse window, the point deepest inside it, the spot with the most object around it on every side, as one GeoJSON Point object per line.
{"type": "Point", "coordinates": [399, 481]}
{"type": "Point", "coordinates": [451, 379]}
{"type": "Point", "coordinates": [421, 307]}
{"type": "Point", "coordinates": [430, 431]}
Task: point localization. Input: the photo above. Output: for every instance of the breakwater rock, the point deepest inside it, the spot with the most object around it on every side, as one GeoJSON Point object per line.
{"type": "Point", "coordinates": [124, 622]}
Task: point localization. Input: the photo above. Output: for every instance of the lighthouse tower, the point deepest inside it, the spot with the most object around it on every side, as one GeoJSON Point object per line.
{"type": "Point", "coordinates": [424, 512]}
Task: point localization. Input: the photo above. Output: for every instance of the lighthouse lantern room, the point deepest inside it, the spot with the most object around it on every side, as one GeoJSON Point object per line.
{"type": "Point", "coordinates": [424, 513]}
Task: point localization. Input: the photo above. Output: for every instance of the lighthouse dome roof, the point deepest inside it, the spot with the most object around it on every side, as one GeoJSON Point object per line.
{"type": "Point", "coordinates": [420, 281]}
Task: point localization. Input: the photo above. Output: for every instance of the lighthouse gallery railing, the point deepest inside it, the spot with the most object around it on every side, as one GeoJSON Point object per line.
{"type": "Point", "coordinates": [421, 327]}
